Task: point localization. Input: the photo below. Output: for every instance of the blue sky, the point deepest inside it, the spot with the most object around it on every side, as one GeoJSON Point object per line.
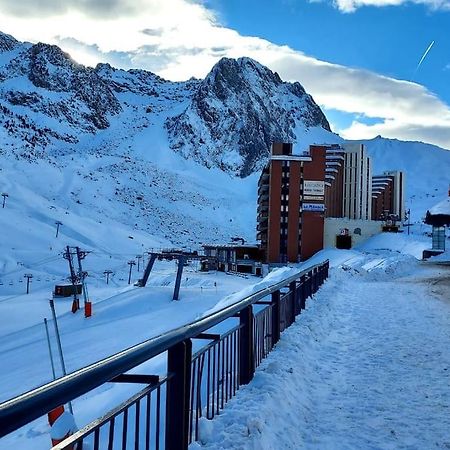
{"type": "Point", "coordinates": [389, 40]}
{"type": "Point", "coordinates": [356, 57]}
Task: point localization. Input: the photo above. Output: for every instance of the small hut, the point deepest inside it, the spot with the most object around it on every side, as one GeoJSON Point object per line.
{"type": "Point", "coordinates": [438, 217]}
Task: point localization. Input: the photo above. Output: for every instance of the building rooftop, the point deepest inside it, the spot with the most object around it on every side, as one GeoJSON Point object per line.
{"type": "Point", "coordinates": [230, 245]}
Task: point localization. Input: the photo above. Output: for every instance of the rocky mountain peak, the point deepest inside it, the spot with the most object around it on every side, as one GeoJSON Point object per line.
{"type": "Point", "coordinates": [244, 107]}
{"type": "Point", "coordinates": [85, 100]}
{"type": "Point", "coordinates": [7, 42]}
{"type": "Point", "coordinates": [235, 75]}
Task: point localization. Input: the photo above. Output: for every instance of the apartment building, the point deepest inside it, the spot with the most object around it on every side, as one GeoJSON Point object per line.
{"type": "Point", "coordinates": [357, 194]}
{"type": "Point", "coordinates": [388, 195]}
{"type": "Point", "coordinates": [291, 203]}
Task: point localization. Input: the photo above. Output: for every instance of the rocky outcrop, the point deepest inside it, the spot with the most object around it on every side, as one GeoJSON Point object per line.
{"type": "Point", "coordinates": [238, 110]}
{"type": "Point", "coordinates": [86, 100]}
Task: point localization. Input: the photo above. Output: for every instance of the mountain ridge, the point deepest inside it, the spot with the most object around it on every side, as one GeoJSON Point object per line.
{"type": "Point", "coordinates": [227, 120]}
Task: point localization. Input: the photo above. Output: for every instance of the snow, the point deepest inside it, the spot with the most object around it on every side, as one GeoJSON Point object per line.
{"type": "Point", "coordinates": [64, 426]}
{"type": "Point", "coordinates": [442, 207]}
{"type": "Point", "coordinates": [365, 366]}
{"type": "Point", "coordinates": [275, 276]}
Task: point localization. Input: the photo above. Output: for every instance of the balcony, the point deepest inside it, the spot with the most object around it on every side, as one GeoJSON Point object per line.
{"type": "Point", "coordinates": [264, 178]}
{"type": "Point", "coordinates": [261, 227]}
{"type": "Point", "coordinates": [261, 236]}
{"type": "Point", "coordinates": [263, 189]}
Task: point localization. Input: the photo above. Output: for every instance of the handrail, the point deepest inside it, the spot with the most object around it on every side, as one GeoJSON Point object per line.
{"type": "Point", "coordinates": [18, 411]}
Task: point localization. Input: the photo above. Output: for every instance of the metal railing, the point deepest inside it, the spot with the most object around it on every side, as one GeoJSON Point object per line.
{"type": "Point", "coordinates": [166, 413]}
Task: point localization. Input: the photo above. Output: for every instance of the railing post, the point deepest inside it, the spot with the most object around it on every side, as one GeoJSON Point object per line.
{"type": "Point", "coordinates": [315, 280]}
{"type": "Point", "coordinates": [298, 297]}
{"type": "Point", "coordinates": [293, 300]}
{"type": "Point", "coordinates": [309, 290]}
{"type": "Point", "coordinates": [302, 292]}
{"type": "Point", "coordinates": [246, 360]}
{"type": "Point", "coordinates": [179, 359]}
{"type": "Point", "coordinates": [275, 317]}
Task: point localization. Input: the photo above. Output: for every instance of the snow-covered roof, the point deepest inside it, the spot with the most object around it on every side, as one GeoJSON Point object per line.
{"type": "Point", "coordinates": [442, 208]}
{"type": "Point", "coordinates": [230, 245]}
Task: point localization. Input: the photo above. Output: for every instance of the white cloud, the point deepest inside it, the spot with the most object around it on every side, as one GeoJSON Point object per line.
{"type": "Point", "coordinates": [189, 42]}
{"type": "Point", "coordinates": [437, 134]}
{"type": "Point", "coordinates": [349, 6]}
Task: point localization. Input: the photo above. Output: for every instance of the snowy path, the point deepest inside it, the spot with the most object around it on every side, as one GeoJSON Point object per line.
{"type": "Point", "coordinates": [367, 366]}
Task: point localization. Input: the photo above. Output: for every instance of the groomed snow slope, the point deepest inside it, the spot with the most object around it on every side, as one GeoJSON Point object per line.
{"type": "Point", "coordinates": [366, 366]}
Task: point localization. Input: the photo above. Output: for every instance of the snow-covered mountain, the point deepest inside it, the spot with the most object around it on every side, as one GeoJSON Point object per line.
{"type": "Point", "coordinates": [228, 120]}
{"type": "Point", "coordinates": [237, 111]}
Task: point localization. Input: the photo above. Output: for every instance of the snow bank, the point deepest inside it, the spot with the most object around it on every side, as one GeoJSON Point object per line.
{"type": "Point", "coordinates": [273, 277]}
{"type": "Point", "coordinates": [399, 242]}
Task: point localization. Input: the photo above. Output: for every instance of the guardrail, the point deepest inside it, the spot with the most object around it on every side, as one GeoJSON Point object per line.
{"type": "Point", "coordinates": [195, 385]}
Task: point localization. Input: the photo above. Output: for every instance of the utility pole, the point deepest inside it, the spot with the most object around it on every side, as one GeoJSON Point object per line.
{"type": "Point", "coordinates": [69, 254]}
{"type": "Point", "coordinates": [131, 264]}
{"type": "Point", "coordinates": [50, 349]}
{"type": "Point", "coordinates": [4, 195]}
{"type": "Point", "coordinates": [28, 276]}
{"type": "Point", "coordinates": [58, 341]}
{"type": "Point", "coordinates": [138, 257]}
{"type": "Point", "coordinates": [58, 223]}
{"type": "Point", "coordinates": [409, 219]}
{"type": "Point", "coordinates": [107, 273]}
{"type": "Point", "coordinates": [81, 274]}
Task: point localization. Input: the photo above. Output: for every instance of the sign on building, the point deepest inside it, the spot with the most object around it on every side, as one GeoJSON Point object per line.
{"type": "Point", "coordinates": [320, 207]}
{"type": "Point", "coordinates": [314, 187]}
{"type": "Point", "coordinates": [314, 198]}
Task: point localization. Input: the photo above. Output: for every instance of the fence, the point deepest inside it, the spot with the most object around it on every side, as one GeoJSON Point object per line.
{"type": "Point", "coordinates": [166, 413]}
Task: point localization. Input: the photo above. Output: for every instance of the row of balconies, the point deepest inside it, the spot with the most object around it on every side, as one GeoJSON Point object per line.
{"type": "Point", "coordinates": [263, 189]}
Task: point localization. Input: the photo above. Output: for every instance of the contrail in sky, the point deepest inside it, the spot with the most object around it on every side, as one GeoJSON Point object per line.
{"type": "Point", "coordinates": [423, 57]}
